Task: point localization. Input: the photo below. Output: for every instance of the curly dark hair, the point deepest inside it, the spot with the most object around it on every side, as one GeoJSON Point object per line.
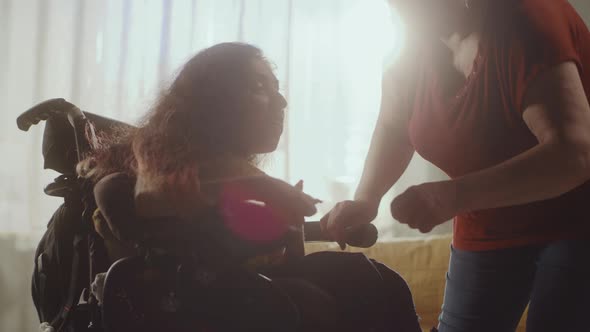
{"type": "Point", "coordinates": [196, 118]}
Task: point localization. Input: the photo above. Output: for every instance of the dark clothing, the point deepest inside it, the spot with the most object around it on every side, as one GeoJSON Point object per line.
{"type": "Point", "coordinates": [366, 295]}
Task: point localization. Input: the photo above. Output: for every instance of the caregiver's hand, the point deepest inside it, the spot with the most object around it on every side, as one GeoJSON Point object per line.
{"type": "Point", "coordinates": [345, 216]}
{"type": "Point", "coordinates": [426, 206]}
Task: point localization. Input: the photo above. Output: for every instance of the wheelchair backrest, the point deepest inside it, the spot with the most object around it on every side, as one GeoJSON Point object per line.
{"type": "Point", "coordinates": [59, 143]}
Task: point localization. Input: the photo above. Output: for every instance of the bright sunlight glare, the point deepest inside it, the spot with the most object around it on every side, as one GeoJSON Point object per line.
{"type": "Point", "coordinates": [376, 28]}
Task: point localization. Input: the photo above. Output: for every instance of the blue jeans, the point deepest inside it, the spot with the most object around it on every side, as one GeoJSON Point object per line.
{"type": "Point", "coordinates": [489, 290]}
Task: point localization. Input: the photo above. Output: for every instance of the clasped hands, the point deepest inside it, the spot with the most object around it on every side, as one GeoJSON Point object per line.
{"type": "Point", "coordinates": [421, 207]}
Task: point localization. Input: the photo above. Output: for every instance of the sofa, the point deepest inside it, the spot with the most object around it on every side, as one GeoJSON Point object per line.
{"type": "Point", "coordinates": [422, 262]}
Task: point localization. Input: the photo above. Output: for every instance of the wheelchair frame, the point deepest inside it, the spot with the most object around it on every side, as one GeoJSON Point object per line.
{"type": "Point", "coordinates": [64, 143]}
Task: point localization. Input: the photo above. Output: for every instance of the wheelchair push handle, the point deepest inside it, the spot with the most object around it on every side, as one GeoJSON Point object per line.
{"type": "Point", "coordinates": [49, 108]}
{"type": "Point", "coordinates": [59, 107]}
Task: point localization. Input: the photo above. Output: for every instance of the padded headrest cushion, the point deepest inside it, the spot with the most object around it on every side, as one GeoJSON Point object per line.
{"type": "Point", "coordinates": [114, 195]}
{"type": "Point", "coordinates": [59, 143]}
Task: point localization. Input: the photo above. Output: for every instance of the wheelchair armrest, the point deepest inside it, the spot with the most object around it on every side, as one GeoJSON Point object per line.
{"type": "Point", "coordinates": [167, 293]}
{"type": "Point", "coordinates": [363, 236]}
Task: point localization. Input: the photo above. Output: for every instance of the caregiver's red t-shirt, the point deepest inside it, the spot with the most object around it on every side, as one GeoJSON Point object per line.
{"type": "Point", "coordinates": [482, 126]}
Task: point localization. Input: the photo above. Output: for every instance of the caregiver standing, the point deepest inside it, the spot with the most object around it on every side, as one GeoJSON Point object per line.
{"type": "Point", "coordinates": [494, 93]}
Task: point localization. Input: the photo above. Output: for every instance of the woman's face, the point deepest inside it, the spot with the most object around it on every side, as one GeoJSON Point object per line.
{"type": "Point", "coordinates": [263, 110]}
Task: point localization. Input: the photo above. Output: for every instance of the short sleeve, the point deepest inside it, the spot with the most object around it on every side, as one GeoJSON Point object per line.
{"type": "Point", "coordinates": [543, 36]}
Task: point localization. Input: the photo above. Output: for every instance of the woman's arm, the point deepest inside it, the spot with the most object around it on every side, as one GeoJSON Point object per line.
{"type": "Point", "coordinates": [558, 114]}
{"type": "Point", "coordinates": [390, 151]}
{"type": "Point", "coordinates": [389, 154]}
{"type": "Point", "coordinates": [285, 197]}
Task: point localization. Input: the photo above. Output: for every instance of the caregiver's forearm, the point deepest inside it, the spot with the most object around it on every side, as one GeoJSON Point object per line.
{"type": "Point", "coordinates": [388, 157]}
{"type": "Point", "coordinates": [543, 172]}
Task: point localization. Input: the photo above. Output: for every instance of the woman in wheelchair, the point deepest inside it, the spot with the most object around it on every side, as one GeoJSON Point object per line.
{"type": "Point", "coordinates": [186, 180]}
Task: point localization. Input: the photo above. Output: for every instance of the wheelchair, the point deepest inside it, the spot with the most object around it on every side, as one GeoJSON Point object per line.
{"type": "Point", "coordinates": [168, 284]}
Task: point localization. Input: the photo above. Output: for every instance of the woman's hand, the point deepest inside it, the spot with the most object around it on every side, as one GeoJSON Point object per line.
{"type": "Point", "coordinates": [276, 194]}
{"type": "Point", "coordinates": [284, 196]}
{"type": "Point", "coordinates": [426, 206]}
{"type": "Point", "coordinates": [308, 203]}
{"type": "Point", "coordinates": [262, 208]}
{"type": "Point", "coordinates": [346, 215]}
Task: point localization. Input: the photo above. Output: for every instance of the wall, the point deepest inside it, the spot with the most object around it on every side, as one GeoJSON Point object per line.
{"type": "Point", "coordinates": [583, 7]}
{"type": "Point", "coordinates": [17, 312]}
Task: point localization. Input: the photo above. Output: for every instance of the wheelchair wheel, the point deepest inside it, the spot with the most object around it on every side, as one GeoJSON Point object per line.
{"type": "Point", "coordinates": [141, 296]}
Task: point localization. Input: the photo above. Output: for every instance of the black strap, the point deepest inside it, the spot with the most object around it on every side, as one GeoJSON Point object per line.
{"type": "Point", "coordinates": [40, 283]}
{"type": "Point", "coordinates": [61, 319]}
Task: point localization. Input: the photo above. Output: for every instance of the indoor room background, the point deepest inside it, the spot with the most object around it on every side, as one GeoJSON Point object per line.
{"type": "Point", "coordinates": [111, 57]}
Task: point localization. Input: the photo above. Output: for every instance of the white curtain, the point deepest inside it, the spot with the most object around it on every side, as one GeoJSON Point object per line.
{"type": "Point", "coordinates": [111, 57]}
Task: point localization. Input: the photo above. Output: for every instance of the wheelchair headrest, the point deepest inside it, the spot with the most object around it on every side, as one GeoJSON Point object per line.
{"type": "Point", "coordinates": [114, 198]}
{"type": "Point", "coordinates": [59, 143]}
